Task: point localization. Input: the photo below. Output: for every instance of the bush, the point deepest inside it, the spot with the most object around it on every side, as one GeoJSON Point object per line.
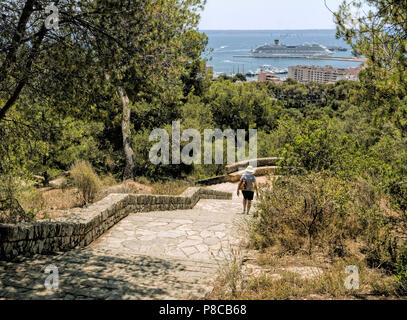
{"type": "Point", "coordinates": [381, 247]}
{"type": "Point", "coordinates": [320, 210]}
{"type": "Point", "coordinates": [401, 271]}
{"type": "Point", "coordinates": [85, 179]}
{"type": "Point", "coordinates": [12, 191]}
{"type": "Point", "coordinates": [318, 145]}
{"type": "Point", "coordinates": [32, 202]}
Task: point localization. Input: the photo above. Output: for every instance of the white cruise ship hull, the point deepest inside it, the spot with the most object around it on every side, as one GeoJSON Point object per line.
{"type": "Point", "coordinates": [290, 55]}
{"type": "Point", "coordinates": [282, 51]}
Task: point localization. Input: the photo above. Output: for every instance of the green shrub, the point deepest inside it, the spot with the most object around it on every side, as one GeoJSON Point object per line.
{"type": "Point", "coordinates": [142, 180]}
{"type": "Point", "coordinates": [320, 210]}
{"type": "Point", "coordinates": [381, 247]}
{"type": "Point", "coordinates": [300, 212]}
{"type": "Point", "coordinates": [85, 179]}
{"type": "Point", "coordinates": [401, 271]}
{"type": "Point", "coordinates": [318, 145]}
{"type": "Point", "coordinates": [13, 193]}
{"type": "Point", "coordinates": [32, 202]}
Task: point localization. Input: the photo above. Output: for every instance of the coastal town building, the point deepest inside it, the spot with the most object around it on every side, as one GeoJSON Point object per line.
{"type": "Point", "coordinates": [327, 74]}
{"type": "Point", "coordinates": [268, 77]}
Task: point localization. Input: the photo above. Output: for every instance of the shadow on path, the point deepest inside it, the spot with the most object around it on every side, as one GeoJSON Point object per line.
{"type": "Point", "coordinates": [94, 274]}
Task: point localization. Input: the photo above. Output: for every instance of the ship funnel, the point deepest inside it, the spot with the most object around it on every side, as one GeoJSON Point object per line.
{"type": "Point", "coordinates": [276, 42]}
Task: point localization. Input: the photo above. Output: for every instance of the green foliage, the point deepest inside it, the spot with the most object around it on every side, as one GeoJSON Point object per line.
{"type": "Point", "coordinates": [239, 77]}
{"type": "Point", "coordinates": [335, 216]}
{"type": "Point", "coordinates": [318, 145]}
{"type": "Point", "coordinates": [78, 140]}
{"type": "Point", "coordinates": [401, 270]}
{"type": "Point", "coordinates": [145, 168]}
{"type": "Point", "coordinates": [377, 32]}
{"type": "Point", "coordinates": [20, 201]}
{"type": "Point", "coordinates": [302, 212]}
{"type": "Point", "coordinates": [11, 210]}
{"type": "Point", "coordinates": [241, 106]}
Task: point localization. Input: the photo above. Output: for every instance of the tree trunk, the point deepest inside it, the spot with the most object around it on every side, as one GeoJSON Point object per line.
{"type": "Point", "coordinates": [126, 133]}
{"type": "Point", "coordinates": [16, 41]}
{"type": "Point", "coordinates": [11, 56]}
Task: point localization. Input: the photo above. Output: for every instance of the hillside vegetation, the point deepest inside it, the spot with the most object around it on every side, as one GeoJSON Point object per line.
{"type": "Point", "coordinates": [343, 191]}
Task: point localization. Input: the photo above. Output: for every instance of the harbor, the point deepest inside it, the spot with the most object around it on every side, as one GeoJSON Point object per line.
{"type": "Point", "coordinates": [352, 59]}
{"type": "Point", "coordinates": [233, 52]}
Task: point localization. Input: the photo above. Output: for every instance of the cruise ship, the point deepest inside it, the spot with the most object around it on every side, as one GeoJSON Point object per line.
{"type": "Point", "coordinates": [280, 50]}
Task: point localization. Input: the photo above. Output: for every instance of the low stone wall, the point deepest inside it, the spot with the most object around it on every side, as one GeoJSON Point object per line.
{"type": "Point", "coordinates": [235, 176]}
{"type": "Point", "coordinates": [258, 172]}
{"type": "Point", "coordinates": [79, 227]}
{"type": "Point", "coordinates": [212, 181]}
{"type": "Point", "coordinates": [261, 162]}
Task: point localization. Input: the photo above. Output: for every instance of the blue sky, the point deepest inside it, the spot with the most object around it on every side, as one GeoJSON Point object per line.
{"type": "Point", "coordinates": [268, 14]}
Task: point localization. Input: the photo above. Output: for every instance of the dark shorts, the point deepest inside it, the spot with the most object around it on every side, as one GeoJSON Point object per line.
{"type": "Point", "coordinates": [248, 195]}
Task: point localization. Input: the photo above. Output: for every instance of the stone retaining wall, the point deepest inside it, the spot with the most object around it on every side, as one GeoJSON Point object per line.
{"type": "Point", "coordinates": [212, 181]}
{"type": "Point", "coordinates": [79, 227]}
{"type": "Point", "coordinates": [261, 162]}
{"type": "Point", "coordinates": [235, 176]}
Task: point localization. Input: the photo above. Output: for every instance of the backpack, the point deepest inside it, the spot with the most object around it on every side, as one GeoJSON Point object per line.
{"type": "Point", "coordinates": [243, 184]}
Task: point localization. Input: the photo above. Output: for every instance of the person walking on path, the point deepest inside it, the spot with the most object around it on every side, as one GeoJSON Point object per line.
{"type": "Point", "coordinates": [247, 184]}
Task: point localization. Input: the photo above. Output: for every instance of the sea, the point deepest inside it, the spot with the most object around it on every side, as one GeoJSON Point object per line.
{"type": "Point", "coordinates": [226, 44]}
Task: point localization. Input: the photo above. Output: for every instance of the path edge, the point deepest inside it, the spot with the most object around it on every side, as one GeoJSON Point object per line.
{"type": "Point", "coordinates": [80, 227]}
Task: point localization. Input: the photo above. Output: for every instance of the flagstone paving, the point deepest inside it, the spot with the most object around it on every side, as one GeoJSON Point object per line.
{"type": "Point", "coordinates": [154, 255]}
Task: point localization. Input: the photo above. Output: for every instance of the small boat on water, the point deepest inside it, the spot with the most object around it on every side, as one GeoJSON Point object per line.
{"type": "Point", "coordinates": [336, 48]}
{"type": "Point", "coordinates": [251, 73]}
{"type": "Point", "coordinates": [280, 71]}
{"type": "Point", "coordinates": [268, 68]}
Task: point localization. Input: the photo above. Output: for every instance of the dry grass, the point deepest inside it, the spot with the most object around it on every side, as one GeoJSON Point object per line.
{"type": "Point", "coordinates": [107, 181]}
{"type": "Point", "coordinates": [47, 203]}
{"type": "Point", "coordinates": [230, 275]}
{"type": "Point", "coordinates": [324, 224]}
{"type": "Point", "coordinates": [61, 199]}
{"type": "Point", "coordinates": [276, 282]}
{"type": "Point", "coordinates": [295, 237]}
{"type": "Point", "coordinates": [170, 187]}
{"type": "Point", "coordinates": [125, 187]}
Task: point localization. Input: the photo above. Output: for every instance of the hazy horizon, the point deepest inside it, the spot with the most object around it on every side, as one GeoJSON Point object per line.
{"type": "Point", "coordinates": [268, 15]}
{"type": "Point", "coordinates": [320, 29]}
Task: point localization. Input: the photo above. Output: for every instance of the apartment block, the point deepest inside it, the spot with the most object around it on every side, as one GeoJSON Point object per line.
{"type": "Point", "coordinates": [327, 74]}
{"type": "Point", "coordinates": [268, 77]}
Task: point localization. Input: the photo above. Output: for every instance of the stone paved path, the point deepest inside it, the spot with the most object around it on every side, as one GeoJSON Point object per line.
{"type": "Point", "coordinates": [155, 255]}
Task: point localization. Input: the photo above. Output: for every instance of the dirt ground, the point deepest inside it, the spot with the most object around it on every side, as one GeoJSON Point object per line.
{"type": "Point", "coordinates": [56, 200]}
